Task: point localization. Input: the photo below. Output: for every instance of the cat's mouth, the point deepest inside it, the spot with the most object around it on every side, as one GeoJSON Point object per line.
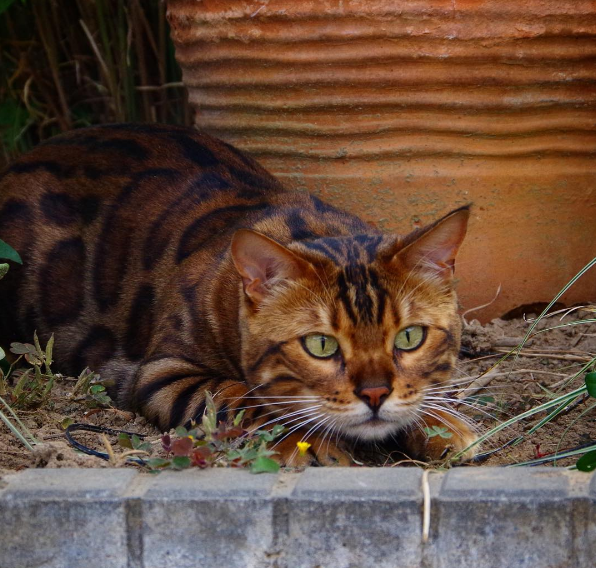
{"type": "Point", "coordinates": [377, 427]}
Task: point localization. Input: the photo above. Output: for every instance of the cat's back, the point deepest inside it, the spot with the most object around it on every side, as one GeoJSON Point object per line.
{"type": "Point", "coordinates": [104, 163]}
{"type": "Point", "coordinates": [99, 214]}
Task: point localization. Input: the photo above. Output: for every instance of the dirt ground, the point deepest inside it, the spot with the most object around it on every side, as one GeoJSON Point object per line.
{"type": "Point", "coordinates": [489, 393]}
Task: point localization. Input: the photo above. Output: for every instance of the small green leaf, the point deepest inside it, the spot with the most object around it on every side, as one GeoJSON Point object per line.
{"type": "Point", "coordinates": [587, 462]}
{"type": "Point", "coordinates": [38, 349]}
{"type": "Point", "coordinates": [21, 348]}
{"type": "Point", "coordinates": [157, 463]}
{"type": "Point", "coordinates": [135, 441]}
{"type": "Point", "coordinates": [2, 353]}
{"type": "Point", "coordinates": [209, 420]}
{"type": "Point", "coordinates": [181, 462]}
{"type": "Point", "coordinates": [181, 431]}
{"type": "Point", "coordinates": [7, 252]}
{"type": "Point", "coordinates": [266, 436]}
{"type": "Point", "coordinates": [438, 431]}
{"type": "Point", "coordinates": [3, 270]}
{"type": "Point", "coordinates": [238, 418]}
{"type": "Point", "coordinates": [264, 465]}
{"type": "Point", "coordinates": [66, 423]}
{"type": "Point", "coordinates": [145, 447]}
{"type": "Point", "coordinates": [591, 384]}
{"type": "Point", "coordinates": [278, 430]}
{"type": "Point", "coordinates": [124, 441]}
{"type": "Point", "coordinates": [49, 351]}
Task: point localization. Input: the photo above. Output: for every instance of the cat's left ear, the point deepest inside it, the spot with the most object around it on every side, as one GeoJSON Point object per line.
{"type": "Point", "coordinates": [433, 249]}
{"type": "Point", "coordinates": [262, 263]}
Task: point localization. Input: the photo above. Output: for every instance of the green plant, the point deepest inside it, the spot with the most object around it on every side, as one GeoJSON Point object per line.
{"type": "Point", "coordinates": [440, 431]}
{"type": "Point", "coordinates": [7, 414]}
{"type": "Point", "coordinates": [33, 385]}
{"type": "Point", "coordinates": [65, 65]}
{"type": "Point", "coordinates": [559, 401]}
{"type": "Point", "coordinates": [7, 253]}
{"type": "Point", "coordinates": [211, 445]}
{"type": "Point", "coordinates": [89, 389]}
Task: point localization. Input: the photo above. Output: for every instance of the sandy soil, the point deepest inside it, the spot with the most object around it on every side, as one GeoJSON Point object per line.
{"type": "Point", "coordinates": [512, 386]}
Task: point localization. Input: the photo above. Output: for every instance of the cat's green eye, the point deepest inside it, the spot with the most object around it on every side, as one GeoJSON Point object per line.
{"type": "Point", "coordinates": [321, 346]}
{"type": "Point", "coordinates": [410, 338]}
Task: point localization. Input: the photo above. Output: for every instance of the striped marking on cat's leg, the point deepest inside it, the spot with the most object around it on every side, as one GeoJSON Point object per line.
{"type": "Point", "coordinates": [169, 391]}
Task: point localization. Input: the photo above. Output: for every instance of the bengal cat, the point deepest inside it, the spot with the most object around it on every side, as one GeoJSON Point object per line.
{"type": "Point", "coordinates": [172, 264]}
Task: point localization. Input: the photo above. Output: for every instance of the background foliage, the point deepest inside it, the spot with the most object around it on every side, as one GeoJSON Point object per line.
{"type": "Point", "coordinates": [70, 63]}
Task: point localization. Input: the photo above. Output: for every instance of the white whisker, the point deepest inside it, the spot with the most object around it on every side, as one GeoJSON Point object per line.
{"type": "Point", "coordinates": [300, 413]}
{"type": "Point", "coordinates": [273, 404]}
{"type": "Point", "coordinates": [298, 426]}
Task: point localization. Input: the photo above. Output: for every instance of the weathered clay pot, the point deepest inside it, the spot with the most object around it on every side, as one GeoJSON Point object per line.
{"type": "Point", "coordinates": [399, 111]}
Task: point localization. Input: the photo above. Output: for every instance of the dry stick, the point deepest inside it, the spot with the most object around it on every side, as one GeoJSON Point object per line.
{"type": "Point", "coordinates": [149, 33]}
{"type": "Point", "coordinates": [483, 380]}
{"type": "Point", "coordinates": [581, 336]}
{"type": "Point", "coordinates": [104, 69]}
{"type": "Point", "coordinates": [109, 449]}
{"type": "Point", "coordinates": [553, 350]}
{"type": "Point", "coordinates": [479, 383]}
{"type": "Point", "coordinates": [551, 356]}
{"type": "Point", "coordinates": [163, 87]}
{"type": "Point", "coordinates": [103, 18]}
{"type": "Point", "coordinates": [161, 57]}
{"type": "Point", "coordinates": [41, 19]}
{"type": "Point", "coordinates": [137, 26]}
{"type": "Point", "coordinates": [538, 372]}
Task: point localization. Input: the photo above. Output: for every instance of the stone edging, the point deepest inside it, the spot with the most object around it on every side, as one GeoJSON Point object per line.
{"type": "Point", "coordinates": [321, 518]}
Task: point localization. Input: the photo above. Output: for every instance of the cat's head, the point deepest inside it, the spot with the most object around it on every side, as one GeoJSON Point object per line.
{"type": "Point", "coordinates": [352, 335]}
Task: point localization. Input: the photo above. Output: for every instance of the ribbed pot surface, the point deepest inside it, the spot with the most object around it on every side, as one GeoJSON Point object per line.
{"type": "Point", "coordinates": [400, 111]}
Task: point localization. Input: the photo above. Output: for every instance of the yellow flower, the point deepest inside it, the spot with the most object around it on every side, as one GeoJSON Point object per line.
{"type": "Point", "coordinates": [303, 447]}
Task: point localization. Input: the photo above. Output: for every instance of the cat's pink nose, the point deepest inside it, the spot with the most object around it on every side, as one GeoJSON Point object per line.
{"type": "Point", "coordinates": [373, 396]}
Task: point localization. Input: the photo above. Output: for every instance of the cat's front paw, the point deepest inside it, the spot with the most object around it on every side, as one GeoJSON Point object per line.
{"type": "Point", "coordinates": [442, 437]}
{"type": "Point", "coordinates": [292, 452]}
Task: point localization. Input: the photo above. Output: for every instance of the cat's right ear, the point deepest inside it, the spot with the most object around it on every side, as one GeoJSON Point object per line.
{"type": "Point", "coordinates": [433, 248]}
{"type": "Point", "coordinates": [263, 263]}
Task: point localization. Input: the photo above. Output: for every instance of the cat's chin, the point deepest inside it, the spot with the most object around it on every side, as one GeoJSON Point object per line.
{"type": "Point", "coordinates": [373, 429]}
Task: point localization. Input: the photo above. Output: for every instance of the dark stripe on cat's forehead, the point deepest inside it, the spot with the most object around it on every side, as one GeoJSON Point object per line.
{"type": "Point", "coordinates": [361, 294]}
{"type": "Point", "coordinates": [343, 296]}
{"type": "Point", "coordinates": [358, 280]}
{"type": "Point", "coordinates": [381, 294]}
{"type": "Point", "coordinates": [346, 251]}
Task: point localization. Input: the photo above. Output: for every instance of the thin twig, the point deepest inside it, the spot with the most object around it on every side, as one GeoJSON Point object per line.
{"type": "Point", "coordinates": [108, 448]}
{"type": "Point", "coordinates": [175, 85]}
{"type": "Point", "coordinates": [479, 383]}
{"type": "Point", "coordinates": [551, 356]}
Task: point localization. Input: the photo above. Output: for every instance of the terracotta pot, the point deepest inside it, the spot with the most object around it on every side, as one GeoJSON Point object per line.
{"type": "Point", "coordinates": [400, 111]}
